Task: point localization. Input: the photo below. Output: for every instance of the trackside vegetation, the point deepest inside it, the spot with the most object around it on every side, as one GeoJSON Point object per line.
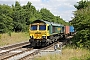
{"type": "Point", "coordinates": [68, 53]}
{"type": "Point", "coordinates": [17, 18]}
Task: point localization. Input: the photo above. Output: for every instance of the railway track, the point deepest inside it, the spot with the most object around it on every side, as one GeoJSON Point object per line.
{"type": "Point", "coordinates": [31, 56]}
{"type": "Point", "coordinates": [16, 52]}
{"type": "Point", "coordinates": [15, 55]}
{"type": "Point", "coordinates": [13, 46]}
{"type": "Point", "coordinates": [19, 53]}
{"type": "Point", "coordinates": [6, 50]}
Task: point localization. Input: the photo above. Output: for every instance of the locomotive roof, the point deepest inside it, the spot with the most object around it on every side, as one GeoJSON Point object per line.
{"type": "Point", "coordinates": [46, 22]}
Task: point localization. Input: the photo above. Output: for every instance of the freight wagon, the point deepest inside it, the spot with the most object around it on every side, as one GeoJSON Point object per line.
{"type": "Point", "coordinates": [72, 30]}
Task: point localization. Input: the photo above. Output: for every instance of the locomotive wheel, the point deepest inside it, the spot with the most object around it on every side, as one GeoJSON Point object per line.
{"type": "Point", "coordinates": [32, 44]}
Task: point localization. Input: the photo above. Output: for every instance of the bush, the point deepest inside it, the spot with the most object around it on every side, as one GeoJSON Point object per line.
{"type": "Point", "coordinates": [82, 39]}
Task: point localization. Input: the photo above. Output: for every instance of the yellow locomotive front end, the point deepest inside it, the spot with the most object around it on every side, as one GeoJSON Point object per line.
{"type": "Point", "coordinates": [38, 33]}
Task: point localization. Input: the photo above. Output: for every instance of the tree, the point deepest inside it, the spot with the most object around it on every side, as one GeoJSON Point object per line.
{"type": "Point", "coordinates": [81, 4]}
{"type": "Point", "coordinates": [17, 18]}
{"type": "Point", "coordinates": [81, 22]}
{"type": "Point", "coordinates": [6, 22]}
{"type": "Point", "coordinates": [46, 15]}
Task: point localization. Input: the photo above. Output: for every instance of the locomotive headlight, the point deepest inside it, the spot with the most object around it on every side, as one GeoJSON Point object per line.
{"type": "Point", "coordinates": [44, 37]}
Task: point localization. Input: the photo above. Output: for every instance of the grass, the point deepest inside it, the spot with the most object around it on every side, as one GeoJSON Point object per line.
{"type": "Point", "coordinates": [6, 39]}
{"type": "Point", "coordinates": [68, 54]}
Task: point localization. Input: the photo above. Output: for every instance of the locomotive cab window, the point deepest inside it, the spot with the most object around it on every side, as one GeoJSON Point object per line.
{"type": "Point", "coordinates": [33, 27]}
{"type": "Point", "coordinates": [42, 27]}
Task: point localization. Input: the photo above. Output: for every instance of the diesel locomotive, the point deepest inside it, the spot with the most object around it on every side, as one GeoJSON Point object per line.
{"type": "Point", "coordinates": [42, 33]}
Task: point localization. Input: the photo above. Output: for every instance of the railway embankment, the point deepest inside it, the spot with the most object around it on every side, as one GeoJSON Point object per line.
{"type": "Point", "coordinates": [6, 39]}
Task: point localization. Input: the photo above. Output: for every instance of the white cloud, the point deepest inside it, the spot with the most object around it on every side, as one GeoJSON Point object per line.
{"type": "Point", "coordinates": [61, 8]}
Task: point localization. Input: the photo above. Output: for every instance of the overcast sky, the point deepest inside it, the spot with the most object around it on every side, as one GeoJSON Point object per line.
{"type": "Point", "coordinates": [62, 8]}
